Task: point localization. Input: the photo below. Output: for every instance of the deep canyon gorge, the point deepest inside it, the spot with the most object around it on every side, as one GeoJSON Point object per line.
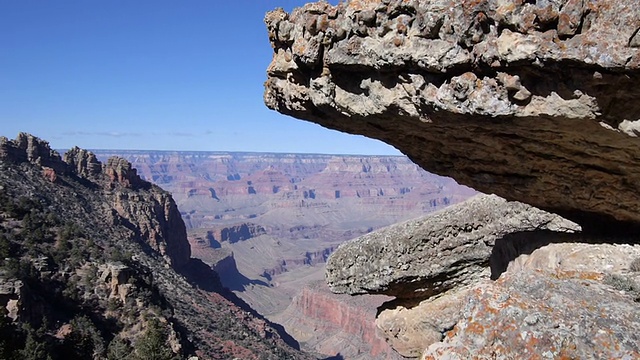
{"type": "Point", "coordinates": [268, 222]}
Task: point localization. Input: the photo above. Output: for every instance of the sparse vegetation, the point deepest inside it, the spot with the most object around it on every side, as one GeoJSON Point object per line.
{"type": "Point", "coordinates": [623, 283]}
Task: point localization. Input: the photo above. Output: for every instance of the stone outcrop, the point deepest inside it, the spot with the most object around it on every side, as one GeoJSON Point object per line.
{"type": "Point", "coordinates": [425, 257]}
{"type": "Point", "coordinates": [28, 148]}
{"type": "Point", "coordinates": [559, 292]}
{"type": "Point", "coordinates": [534, 101]}
{"type": "Point", "coordinates": [117, 276]}
{"type": "Point", "coordinates": [158, 221]}
{"type": "Point", "coordinates": [555, 315]}
{"type": "Point", "coordinates": [120, 171]}
{"type": "Point", "coordinates": [11, 296]}
{"type": "Point", "coordinates": [83, 162]}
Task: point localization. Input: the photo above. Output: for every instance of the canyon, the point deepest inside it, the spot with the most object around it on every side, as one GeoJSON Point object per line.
{"type": "Point", "coordinates": [267, 223]}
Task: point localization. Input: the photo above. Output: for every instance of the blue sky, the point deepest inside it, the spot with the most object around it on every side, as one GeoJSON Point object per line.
{"type": "Point", "coordinates": [149, 74]}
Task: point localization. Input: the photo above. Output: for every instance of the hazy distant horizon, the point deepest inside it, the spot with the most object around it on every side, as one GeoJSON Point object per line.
{"type": "Point", "coordinates": [99, 152]}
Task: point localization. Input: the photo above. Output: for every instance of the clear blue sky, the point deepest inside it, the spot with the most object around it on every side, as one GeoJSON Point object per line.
{"type": "Point", "coordinates": [149, 74]}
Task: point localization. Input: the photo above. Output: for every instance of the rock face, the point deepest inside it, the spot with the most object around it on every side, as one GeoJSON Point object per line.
{"type": "Point", "coordinates": [554, 313]}
{"type": "Point", "coordinates": [559, 292]}
{"type": "Point", "coordinates": [530, 100]}
{"type": "Point", "coordinates": [235, 233]}
{"type": "Point", "coordinates": [428, 256]}
{"type": "Point", "coordinates": [336, 325]}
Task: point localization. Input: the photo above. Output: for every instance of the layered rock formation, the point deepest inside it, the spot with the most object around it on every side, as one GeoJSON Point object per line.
{"type": "Point", "coordinates": [531, 100]}
{"type": "Point", "coordinates": [336, 325]}
{"type": "Point", "coordinates": [235, 233]}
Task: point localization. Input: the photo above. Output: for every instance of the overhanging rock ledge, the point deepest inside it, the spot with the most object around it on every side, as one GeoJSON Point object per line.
{"type": "Point", "coordinates": [533, 101]}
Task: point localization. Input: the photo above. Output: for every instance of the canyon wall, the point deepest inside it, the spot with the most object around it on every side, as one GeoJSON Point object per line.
{"type": "Point", "coordinates": [336, 325]}
{"type": "Point", "coordinates": [267, 223]}
{"type": "Point", "coordinates": [93, 254]}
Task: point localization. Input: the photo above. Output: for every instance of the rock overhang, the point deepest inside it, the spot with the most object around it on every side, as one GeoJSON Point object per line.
{"type": "Point", "coordinates": [534, 102]}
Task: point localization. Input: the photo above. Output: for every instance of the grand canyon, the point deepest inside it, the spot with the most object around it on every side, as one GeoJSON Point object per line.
{"type": "Point", "coordinates": [139, 254]}
{"type": "Point", "coordinates": [268, 222]}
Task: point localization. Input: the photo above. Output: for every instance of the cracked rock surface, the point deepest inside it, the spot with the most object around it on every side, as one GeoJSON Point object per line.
{"type": "Point", "coordinates": [444, 250]}
{"type": "Point", "coordinates": [535, 101]}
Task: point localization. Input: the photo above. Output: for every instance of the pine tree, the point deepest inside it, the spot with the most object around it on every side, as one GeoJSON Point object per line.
{"type": "Point", "coordinates": [119, 349]}
{"type": "Point", "coordinates": [153, 344]}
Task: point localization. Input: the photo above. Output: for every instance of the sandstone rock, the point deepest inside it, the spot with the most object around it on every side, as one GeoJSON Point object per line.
{"type": "Point", "coordinates": [533, 315]}
{"type": "Point", "coordinates": [579, 259]}
{"type": "Point", "coordinates": [239, 232]}
{"type": "Point", "coordinates": [28, 148]}
{"type": "Point", "coordinates": [410, 328]}
{"type": "Point", "coordinates": [121, 172]}
{"type": "Point", "coordinates": [424, 257]}
{"type": "Point", "coordinates": [117, 276]}
{"type": "Point", "coordinates": [333, 324]}
{"type": "Point", "coordinates": [158, 221]}
{"type": "Point", "coordinates": [526, 100]}
{"type": "Point", "coordinates": [83, 162]}
{"type": "Point", "coordinates": [49, 174]}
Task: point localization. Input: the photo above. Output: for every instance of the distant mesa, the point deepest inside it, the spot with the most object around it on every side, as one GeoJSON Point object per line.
{"type": "Point", "coordinates": [235, 233]}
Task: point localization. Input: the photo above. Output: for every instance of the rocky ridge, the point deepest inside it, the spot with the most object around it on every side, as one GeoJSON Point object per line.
{"type": "Point", "coordinates": [531, 100]}
{"type": "Point", "coordinates": [95, 263]}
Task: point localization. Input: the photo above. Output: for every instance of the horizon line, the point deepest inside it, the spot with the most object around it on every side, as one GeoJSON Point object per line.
{"type": "Point", "coordinates": [224, 152]}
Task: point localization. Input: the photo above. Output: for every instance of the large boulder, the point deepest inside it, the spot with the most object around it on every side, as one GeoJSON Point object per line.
{"type": "Point", "coordinates": [535, 101]}
{"type": "Point", "coordinates": [451, 248]}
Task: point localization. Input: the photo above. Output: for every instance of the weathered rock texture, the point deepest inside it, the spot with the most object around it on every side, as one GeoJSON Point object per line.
{"type": "Point", "coordinates": [557, 298]}
{"type": "Point", "coordinates": [448, 249]}
{"type": "Point", "coordinates": [540, 315]}
{"type": "Point", "coordinates": [532, 100]}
